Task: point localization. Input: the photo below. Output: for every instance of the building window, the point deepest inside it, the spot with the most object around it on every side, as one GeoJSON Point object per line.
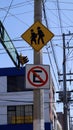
{"type": "Point", "coordinates": [15, 83]}
{"type": "Point", "coordinates": [20, 114]}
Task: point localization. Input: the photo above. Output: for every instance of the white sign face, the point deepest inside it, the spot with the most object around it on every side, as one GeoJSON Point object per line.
{"type": "Point", "coordinates": [37, 76]}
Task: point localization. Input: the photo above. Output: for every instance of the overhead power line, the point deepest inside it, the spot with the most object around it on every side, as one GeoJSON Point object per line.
{"type": "Point", "coordinates": [59, 14]}
{"type": "Point", "coordinates": [45, 17]}
{"type": "Point", "coordinates": [15, 17]}
{"type": "Point", "coordinates": [18, 5]}
{"type": "Point", "coordinates": [51, 46]}
{"type": "Point", "coordinates": [8, 11]}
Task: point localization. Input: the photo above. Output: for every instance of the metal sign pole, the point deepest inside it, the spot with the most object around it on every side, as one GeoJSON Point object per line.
{"type": "Point", "coordinates": [38, 122]}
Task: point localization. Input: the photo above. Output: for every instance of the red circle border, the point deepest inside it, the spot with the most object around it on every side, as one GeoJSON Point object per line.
{"type": "Point", "coordinates": [37, 85]}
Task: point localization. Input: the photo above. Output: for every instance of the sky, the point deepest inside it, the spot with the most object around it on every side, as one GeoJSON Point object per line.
{"type": "Point", "coordinates": [18, 16]}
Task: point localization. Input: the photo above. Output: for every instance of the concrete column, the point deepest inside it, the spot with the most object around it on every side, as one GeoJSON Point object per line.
{"type": "Point", "coordinates": [38, 123]}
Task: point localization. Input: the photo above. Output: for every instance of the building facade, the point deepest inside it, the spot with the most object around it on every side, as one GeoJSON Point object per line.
{"type": "Point", "coordinates": [16, 102]}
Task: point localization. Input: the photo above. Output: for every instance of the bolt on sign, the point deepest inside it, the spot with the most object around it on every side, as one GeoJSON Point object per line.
{"type": "Point", "coordinates": [37, 36]}
{"type": "Point", "coordinates": [37, 76]}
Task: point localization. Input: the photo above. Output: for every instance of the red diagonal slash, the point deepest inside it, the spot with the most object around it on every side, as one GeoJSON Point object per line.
{"type": "Point", "coordinates": [38, 76]}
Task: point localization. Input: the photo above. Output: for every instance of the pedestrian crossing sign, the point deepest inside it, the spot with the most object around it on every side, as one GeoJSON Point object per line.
{"type": "Point", "coordinates": [37, 36]}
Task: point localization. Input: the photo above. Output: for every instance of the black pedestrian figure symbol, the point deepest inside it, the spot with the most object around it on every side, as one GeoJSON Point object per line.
{"type": "Point", "coordinates": [33, 36]}
{"type": "Point", "coordinates": [40, 35]}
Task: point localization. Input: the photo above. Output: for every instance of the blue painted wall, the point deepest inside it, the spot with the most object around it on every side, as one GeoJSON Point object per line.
{"type": "Point", "coordinates": [13, 71]}
{"type": "Point", "coordinates": [23, 127]}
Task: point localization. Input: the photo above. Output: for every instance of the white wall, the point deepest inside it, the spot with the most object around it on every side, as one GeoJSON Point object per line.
{"type": "Point", "coordinates": [3, 115]}
{"type": "Point", "coordinates": [3, 108]}
{"type": "Point", "coordinates": [18, 98]}
{"type": "Point", "coordinates": [3, 84]}
{"type": "Point", "coordinates": [46, 105]}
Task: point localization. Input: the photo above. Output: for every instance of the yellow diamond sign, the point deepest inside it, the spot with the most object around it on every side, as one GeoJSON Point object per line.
{"type": "Point", "coordinates": [37, 36]}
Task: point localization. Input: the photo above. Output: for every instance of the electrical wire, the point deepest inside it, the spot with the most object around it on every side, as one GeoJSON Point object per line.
{"type": "Point", "coordinates": [8, 11]}
{"type": "Point", "coordinates": [45, 17]}
{"type": "Point", "coordinates": [52, 66]}
{"type": "Point", "coordinates": [16, 17]}
{"type": "Point", "coordinates": [59, 16]}
{"type": "Point", "coordinates": [20, 4]}
{"type": "Point", "coordinates": [51, 45]}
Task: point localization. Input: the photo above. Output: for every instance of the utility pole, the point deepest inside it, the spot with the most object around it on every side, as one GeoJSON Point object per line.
{"type": "Point", "coordinates": [38, 121]}
{"type": "Point", "coordinates": [65, 95]}
{"type": "Point", "coordinates": [64, 86]}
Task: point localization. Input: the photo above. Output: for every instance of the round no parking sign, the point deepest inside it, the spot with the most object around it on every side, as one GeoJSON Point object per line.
{"type": "Point", "coordinates": [37, 76]}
